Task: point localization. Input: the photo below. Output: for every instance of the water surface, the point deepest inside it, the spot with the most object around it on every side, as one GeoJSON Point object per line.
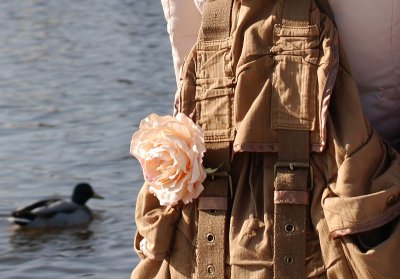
{"type": "Point", "coordinates": [76, 77]}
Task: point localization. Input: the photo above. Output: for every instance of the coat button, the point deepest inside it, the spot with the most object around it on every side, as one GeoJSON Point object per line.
{"type": "Point", "coordinates": [391, 200]}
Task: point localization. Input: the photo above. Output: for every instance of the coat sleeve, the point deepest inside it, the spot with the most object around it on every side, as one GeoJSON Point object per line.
{"type": "Point", "coordinates": [379, 85]}
{"type": "Point", "coordinates": [360, 200]}
{"type": "Point", "coordinates": [156, 226]}
{"type": "Point", "coordinates": [183, 23]}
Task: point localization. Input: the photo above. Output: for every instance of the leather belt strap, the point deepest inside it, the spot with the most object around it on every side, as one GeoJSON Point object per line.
{"type": "Point", "coordinates": [213, 202]}
{"type": "Point", "coordinates": [296, 12]}
{"type": "Point", "coordinates": [292, 173]}
{"type": "Point", "coordinates": [291, 197]}
{"type": "Point", "coordinates": [291, 204]}
{"type": "Point", "coordinates": [216, 20]}
{"type": "Point", "coordinates": [212, 208]}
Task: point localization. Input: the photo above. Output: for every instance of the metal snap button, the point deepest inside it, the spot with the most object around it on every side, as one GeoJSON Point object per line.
{"type": "Point", "coordinates": [391, 200]}
{"type": "Point", "coordinates": [210, 237]}
{"type": "Point", "coordinates": [288, 260]}
{"type": "Point", "coordinates": [210, 269]}
{"type": "Point", "coordinates": [289, 228]}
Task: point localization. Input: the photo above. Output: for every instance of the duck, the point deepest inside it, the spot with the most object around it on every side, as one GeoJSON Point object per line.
{"type": "Point", "coordinates": [57, 212]}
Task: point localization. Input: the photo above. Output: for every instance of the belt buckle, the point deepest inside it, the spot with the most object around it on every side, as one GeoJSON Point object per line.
{"type": "Point", "coordinates": [295, 165]}
{"type": "Point", "coordinates": [223, 174]}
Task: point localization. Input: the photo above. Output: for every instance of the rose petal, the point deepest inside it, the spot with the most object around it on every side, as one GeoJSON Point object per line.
{"type": "Point", "coordinates": [170, 151]}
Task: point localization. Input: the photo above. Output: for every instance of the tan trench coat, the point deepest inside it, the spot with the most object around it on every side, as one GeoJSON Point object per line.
{"type": "Point", "coordinates": [240, 89]}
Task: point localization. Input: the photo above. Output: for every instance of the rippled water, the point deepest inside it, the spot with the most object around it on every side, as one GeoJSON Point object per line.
{"type": "Point", "coordinates": [76, 77]}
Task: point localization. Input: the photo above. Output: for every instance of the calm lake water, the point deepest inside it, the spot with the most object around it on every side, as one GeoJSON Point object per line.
{"type": "Point", "coordinates": [76, 78]}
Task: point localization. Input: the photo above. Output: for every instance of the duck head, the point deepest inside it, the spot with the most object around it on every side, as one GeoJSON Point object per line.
{"type": "Point", "coordinates": [83, 192]}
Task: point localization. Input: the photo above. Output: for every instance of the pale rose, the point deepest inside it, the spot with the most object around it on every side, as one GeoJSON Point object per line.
{"type": "Point", "coordinates": [170, 151]}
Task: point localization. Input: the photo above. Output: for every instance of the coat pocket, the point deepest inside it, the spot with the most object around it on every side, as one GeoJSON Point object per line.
{"type": "Point", "coordinates": [215, 90]}
{"type": "Point", "coordinates": [380, 261]}
{"type": "Point", "coordinates": [294, 81]}
{"type": "Point", "coordinates": [351, 215]}
{"type": "Point", "coordinates": [185, 96]}
{"type": "Point", "coordinates": [348, 218]}
{"type": "Point", "coordinates": [214, 113]}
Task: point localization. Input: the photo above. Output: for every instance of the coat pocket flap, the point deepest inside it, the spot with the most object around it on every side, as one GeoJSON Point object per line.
{"type": "Point", "coordinates": [350, 215]}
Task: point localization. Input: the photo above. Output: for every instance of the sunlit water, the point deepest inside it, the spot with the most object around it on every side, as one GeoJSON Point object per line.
{"type": "Point", "coordinates": [76, 78]}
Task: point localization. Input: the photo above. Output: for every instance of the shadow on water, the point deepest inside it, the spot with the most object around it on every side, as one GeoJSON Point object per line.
{"type": "Point", "coordinates": [38, 252]}
{"type": "Point", "coordinates": [77, 239]}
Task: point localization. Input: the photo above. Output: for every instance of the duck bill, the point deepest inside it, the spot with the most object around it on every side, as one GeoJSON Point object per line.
{"type": "Point", "coordinates": [97, 196]}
